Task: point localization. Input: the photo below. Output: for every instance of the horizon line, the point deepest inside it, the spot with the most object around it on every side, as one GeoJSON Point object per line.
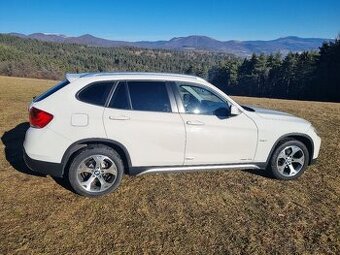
{"type": "Point", "coordinates": [170, 38]}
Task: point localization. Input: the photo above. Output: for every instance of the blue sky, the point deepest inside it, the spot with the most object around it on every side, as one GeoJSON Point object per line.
{"type": "Point", "coordinates": [162, 20]}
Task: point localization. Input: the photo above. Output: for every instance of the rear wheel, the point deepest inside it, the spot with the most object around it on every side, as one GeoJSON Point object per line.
{"type": "Point", "coordinates": [96, 171]}
{"type": "Point", "coordinates": [289, 160]}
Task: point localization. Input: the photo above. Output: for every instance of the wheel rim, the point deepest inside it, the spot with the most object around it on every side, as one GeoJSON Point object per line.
{"type": "Point", "coordinates": [290, 161]}
{"type": "Point", "coordinates": [96, 173]}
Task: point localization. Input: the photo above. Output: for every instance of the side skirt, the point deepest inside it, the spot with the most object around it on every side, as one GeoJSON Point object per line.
{"type": "Point", "coordinates": [173, 169]}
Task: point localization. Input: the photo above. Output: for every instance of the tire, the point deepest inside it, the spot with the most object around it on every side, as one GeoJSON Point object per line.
{"type": "Point", "coordinates": [95, 171]}
{"type": "Point", "coordinates": [289, 160]}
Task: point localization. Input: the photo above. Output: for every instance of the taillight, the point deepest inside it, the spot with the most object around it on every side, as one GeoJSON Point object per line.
{"type": "Point", "coordinates": [39, 118]}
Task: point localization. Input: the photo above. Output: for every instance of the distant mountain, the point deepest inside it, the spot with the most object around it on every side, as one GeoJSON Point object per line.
{"type": "Point", "coordinates": [194, 42]}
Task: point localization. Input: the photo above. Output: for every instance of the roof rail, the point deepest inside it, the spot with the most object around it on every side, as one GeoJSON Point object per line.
{"type": "Point", "coordinates": [74, 76]}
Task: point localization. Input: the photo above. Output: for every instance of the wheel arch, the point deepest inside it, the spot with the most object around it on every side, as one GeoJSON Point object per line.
{"type": "Point", "coordinates": [76, 147]}
{"type": "Point", "coordinates": [305, 139]}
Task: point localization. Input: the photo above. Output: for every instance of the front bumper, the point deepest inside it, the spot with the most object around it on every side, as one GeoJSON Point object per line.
{"type": "Point", "coordinates": [43, 167]}
{"type": "Point", "coordinates": [313, 161]}
{"type": "Point", "coordinates": [316, 143]}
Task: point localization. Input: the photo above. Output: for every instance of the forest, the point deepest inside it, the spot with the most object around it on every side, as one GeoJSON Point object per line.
{"type": "Point", "coordinates": [313, 75]}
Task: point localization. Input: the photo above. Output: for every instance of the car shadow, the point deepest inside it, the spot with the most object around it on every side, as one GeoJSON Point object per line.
{"type": "Point", "coordinates": [13, 140]}
{"type": "Point", "coordinates": [260, 172]}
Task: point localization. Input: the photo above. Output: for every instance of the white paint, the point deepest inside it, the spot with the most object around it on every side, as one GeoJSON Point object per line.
{"type": "Point", "coordinates": [161, 139]}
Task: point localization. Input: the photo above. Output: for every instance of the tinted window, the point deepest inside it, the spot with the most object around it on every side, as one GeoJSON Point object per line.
{"type": "Point", "coordinates": [197, 100]}
{"type": "Point", "coordinates": [49, 92]}
{"type": "Point", "coordinates": [96, 93]}
{"type": "Point", "coordinates": [120, 98]}
{"type": "Point", "coordinates": [149, 96]}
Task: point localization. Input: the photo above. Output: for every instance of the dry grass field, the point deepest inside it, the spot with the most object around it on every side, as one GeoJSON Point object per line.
{"type": "Point", "coordinates": [224, 212]}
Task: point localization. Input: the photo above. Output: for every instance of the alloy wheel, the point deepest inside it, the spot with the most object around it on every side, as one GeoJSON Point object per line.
{"type": "Point", "coordinates": [97, 173]}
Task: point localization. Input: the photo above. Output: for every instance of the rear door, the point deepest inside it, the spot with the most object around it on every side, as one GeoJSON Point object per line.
{"type": "Point", "coordinates": [143, 116]}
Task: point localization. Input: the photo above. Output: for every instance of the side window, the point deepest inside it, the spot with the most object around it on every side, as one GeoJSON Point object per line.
{"type": "Point", "coordinates": [149, 96]}
{"type": "Point", "coordinates": [120, 99]}
{"type": "Point", "coordinates": [198, 100]}
{"type": "Point", "coordinates": [96, 93]}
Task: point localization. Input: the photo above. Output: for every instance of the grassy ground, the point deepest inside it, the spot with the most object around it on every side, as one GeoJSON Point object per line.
{"type": "Point", "coordinates": [226, 212]}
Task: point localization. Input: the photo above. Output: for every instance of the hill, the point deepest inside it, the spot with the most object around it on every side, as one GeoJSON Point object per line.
{"type": "Point", "coordinates": [40, 59]}
{"type": "Point", "coordinates": [194, 42]}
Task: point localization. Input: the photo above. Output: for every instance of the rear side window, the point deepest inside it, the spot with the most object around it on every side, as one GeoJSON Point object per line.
{"type": "Point", "coordinates": [96, 93]}
{"type": "Point", "coordinates": [120, 99]}
{"type": "Point", "coordinates": [52, 90]}
{"type": "Point", "coordinates": [149, 96]}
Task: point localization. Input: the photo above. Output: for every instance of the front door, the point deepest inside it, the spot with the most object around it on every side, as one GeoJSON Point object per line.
{"type": "Point", "coordinates": [213, 135]}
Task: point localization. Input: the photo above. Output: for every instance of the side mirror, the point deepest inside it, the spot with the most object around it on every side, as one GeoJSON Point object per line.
{"type": "Point", "coordinates": [234, 110]}
{"type": "Point", "coordinates": [222, 113]}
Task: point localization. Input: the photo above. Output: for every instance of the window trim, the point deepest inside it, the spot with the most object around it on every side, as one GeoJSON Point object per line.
{"type": "Point", "coordinates": [117, 84]}
{"type": "Point", "coordinates": [171, 96]}
{"type": "Point", "coordinates": [128, 95]}
{"type": "Point", "coordinates": [108, 98]}
{"type": "Point", "coordinates": [179, 100]}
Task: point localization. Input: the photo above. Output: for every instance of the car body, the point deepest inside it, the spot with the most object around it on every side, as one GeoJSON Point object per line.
{"type": "Point", "coordinates": [157, 122]}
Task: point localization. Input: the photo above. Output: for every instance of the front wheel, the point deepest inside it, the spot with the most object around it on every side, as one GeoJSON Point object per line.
{"type": "Point", "coordinates": [289, 160]}
{"type": "Point", "coordinates": [95, 171]}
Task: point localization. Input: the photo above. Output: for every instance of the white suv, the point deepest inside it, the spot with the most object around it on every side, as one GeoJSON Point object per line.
{"type": "Point", "coordinates": [93, 128]}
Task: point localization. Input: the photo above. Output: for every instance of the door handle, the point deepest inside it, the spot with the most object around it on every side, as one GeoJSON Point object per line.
{"type": "Point", "coordinates": [195, 123]}
{"type": "Point", "coordinates": [120, 117]}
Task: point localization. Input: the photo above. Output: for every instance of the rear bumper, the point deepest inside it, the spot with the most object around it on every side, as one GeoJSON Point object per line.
{"type": "Point", "coordinates": [43, 167]}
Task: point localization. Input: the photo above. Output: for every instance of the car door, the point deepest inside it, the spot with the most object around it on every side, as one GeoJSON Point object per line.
{"type": "Point", "coordinates": [213, 136]}
{"type": "Point", "coordinates": [143, 116]}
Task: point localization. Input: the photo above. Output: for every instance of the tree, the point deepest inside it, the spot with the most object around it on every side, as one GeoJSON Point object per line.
{"type": "Point", "coordinates": [307, 75]}
{"type": "Point", "coordinates": [328, 72]}
{"type": "Point", "coordinates": [225, 75]}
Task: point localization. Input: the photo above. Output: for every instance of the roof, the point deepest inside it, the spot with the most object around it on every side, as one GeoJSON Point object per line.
{"type": "Point", "coordinates": [74, 76]}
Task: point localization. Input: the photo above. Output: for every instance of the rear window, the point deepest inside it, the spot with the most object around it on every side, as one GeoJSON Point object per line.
{"type": "Point", "coordinates": [52, 90]}
{"type": "Point", "coordinates": [95, 93]}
